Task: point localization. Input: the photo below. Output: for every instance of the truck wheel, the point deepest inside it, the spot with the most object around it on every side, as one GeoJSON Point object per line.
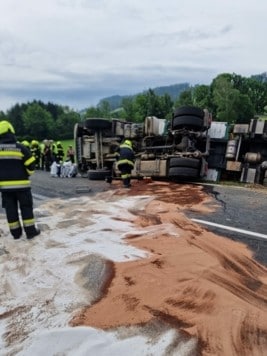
{"type": "Point", "coordinates": [98, 124]}
{"type": "Point", "coordinates": [184, 162]}
{"type": "Point", "coordinates": [189, 122]}
{"type": "Point", "coordinates": [183, 172]}
{"type": "Point", "coordinates": [189, 110]}
{"type": "Point", "coordinates": [95, 174]}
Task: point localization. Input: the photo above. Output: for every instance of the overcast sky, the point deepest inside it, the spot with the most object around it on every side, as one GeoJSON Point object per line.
{"type": "Point", "coordinates": [75, 52]}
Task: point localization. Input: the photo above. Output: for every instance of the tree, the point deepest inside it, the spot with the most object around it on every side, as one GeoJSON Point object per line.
{"type": "Point", "coordinates": [231, 105]}
{"type": "Point", "coordinates": [257, 93]}
{"type": "Point", "coordinates": [166, 105]}
{"type": "Point", "coordinates": [38, 122]}
{"type": "Point", "coordinates": [65, 124]}
{"type": "Point", "coordinates": [92, 112]}
{"type": "Point", "coordinates": [202, 96]}
{"type": "Point", "coordinates": [105, 109]}
{"type": "Point", "coordinates": [128, 107]}
{"type": "Point", "coordinates": [150, 104]}
{"type": "Point", "coordinates": [2, 116]}
{"type": "Point", "coordinates": [15, 116]}
{"type": "Point", "coordinates": [254, 88]}
{"type": "Point", "coordinates": [140, 108]}
{"type": "Point", "coordinates": [153, 104]}
{"type": "Point", "coordinates": [54, 110]}
{"type": "Point", "coordinates": [184, 99]}
{"type": "Point", "coordinates": [224, 98]}
{"type": "Point", "coordinates": [244, 109]}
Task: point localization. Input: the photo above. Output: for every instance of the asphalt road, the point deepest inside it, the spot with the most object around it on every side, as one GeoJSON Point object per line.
{"type": "Point", "coordinates": [238, 207]}
{"type": "Point", "coordinates": [45, 185]}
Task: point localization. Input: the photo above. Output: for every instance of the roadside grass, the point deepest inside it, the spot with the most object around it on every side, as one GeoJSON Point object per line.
{"type": "Point", "coordinates": [66, 144]}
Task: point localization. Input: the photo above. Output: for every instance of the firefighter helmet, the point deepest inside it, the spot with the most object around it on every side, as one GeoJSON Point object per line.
{"type": "Point", "coordinates": [26, 143]}
{"type": "Point", "coordinates": [128, 143]}
{"type": "Point", "coordinates": [6, 127]}
{"type": "Point", "coordinates": [34, 143]}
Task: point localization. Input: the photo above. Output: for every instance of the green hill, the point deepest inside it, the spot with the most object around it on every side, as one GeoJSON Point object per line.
{"type": "Point", "coordinates": [173, 90]}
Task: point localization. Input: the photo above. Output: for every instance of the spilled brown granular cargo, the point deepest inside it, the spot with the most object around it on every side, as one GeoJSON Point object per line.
{"type": "Point", "coordinates": [207, 286]}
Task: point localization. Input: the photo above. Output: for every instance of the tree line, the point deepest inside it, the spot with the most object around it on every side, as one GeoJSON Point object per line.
{"type": "Point", "coordinates": [230, 98]}
{"type": "Point", "coordinates": [39, 121]}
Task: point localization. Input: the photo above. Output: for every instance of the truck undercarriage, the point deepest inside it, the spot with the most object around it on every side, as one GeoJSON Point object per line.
{"type": "Point", "coordinates": [172, 150]}
{"type": "Point", "coordinates": [188, 147]}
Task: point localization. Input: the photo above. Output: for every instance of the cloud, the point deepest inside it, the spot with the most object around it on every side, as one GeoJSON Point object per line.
{"type": "Point", "coordinates": [113, 47]}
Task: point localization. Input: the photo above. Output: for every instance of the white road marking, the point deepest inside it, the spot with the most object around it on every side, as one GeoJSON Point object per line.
{"type": "Point", "coordinates": [241, 231]}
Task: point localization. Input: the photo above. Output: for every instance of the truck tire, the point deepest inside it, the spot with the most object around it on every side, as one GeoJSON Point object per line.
{"type": "Point", "coordinates": [95, 174]}
{"type": "Point", "coordinates": [184, 162]}
{"type": "Point", "coordinates": [188, 122]}
{"type": "Point", "coordinates": [183, 172]}
{"type": "Point", "coordinates": [98, 124]}
{"type": "Point", "coordinates": [189, 110]}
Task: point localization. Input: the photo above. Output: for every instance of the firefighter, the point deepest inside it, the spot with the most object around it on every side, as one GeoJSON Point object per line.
{"type": "Point", "coordinates": [36, 152]}
{"type": "Point", "coordinates": [47, 155]}
{"type": "Point", "coordinates": [126, 162]}
{"type": "Point", "coordinates": [42, 147]}
{"type": "Point", "coordinates": [59, 152]}
{"type": "Point", "coordinates": [17, 164]}
{"type": "Point", "coordinates": [26, 143]}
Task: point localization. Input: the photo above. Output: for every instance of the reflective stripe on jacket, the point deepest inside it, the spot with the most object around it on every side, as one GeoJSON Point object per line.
{"type": "Point", "coordinates": [126, 155]}
{"type": "Point", "coordinates": [16, 164]}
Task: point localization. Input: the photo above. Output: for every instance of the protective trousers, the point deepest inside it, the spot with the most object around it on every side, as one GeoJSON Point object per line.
{"type": "Point", "coordinates": [11, 202]}
{"type": "Point", "coordinates": [125, 170]}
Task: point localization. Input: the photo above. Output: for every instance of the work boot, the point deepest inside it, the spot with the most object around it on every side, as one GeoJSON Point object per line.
{"type": "Point", "coordinates": [36, 233]}
{"type": "Point", "coordinates": [125, 183]}
{"type": "Point", "coordinates": [17, 237]}
{"type": "Point", "coordinates": [129, 183]}
{"type": "Point", "coordinates": [17, 233]}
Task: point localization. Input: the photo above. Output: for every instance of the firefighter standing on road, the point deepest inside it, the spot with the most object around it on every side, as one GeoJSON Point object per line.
{"type": "Point", "coordinates": [59, 152]}
{"type": "Point", "coordinates": [16, 165]}
{"type": "Point", "coordinates": [126, 162]}
{"type": "Point", "coordinates": [36, 152]}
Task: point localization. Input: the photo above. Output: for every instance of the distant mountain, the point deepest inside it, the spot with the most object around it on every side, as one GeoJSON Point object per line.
{"type": "Point", "coordinates": [260, 77]}
{"type": "Point", "coordinates": [115, 101]}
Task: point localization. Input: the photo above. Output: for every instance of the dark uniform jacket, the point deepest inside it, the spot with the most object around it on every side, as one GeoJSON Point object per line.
{"type": "Point", "coordinates": [59, 153]}
{"type": "Point", "coordinates": [126, 155]}
{"type": "Point", "coordinates": [16, 164]}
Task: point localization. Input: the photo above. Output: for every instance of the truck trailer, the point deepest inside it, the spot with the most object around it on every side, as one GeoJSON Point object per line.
{"type": "Point", "coordinates": [190, 146]}
{"type": "Point", "coordinates": [175, 149]}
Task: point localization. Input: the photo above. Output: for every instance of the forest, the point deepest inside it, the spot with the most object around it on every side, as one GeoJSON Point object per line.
{"type": "Point", "coordinates": [230, 98]}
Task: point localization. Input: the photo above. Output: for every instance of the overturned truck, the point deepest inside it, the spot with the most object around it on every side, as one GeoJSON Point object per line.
{"type": "Point", "coordinates": [173, 150]}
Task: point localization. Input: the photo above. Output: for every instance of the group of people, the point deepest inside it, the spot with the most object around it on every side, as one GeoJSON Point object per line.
{"type": "Point", "coordinates": [65, 169]}
{"type": "Point", "coordinates": [18, 161]}
{"type": "Point", "coordinates": [48, 152]}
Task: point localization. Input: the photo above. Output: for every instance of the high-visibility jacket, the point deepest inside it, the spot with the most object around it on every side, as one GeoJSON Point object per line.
{"type": "Point", "coordinates": [126, 155]}
{"type": "Point", "coordinates": [16, 164]}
